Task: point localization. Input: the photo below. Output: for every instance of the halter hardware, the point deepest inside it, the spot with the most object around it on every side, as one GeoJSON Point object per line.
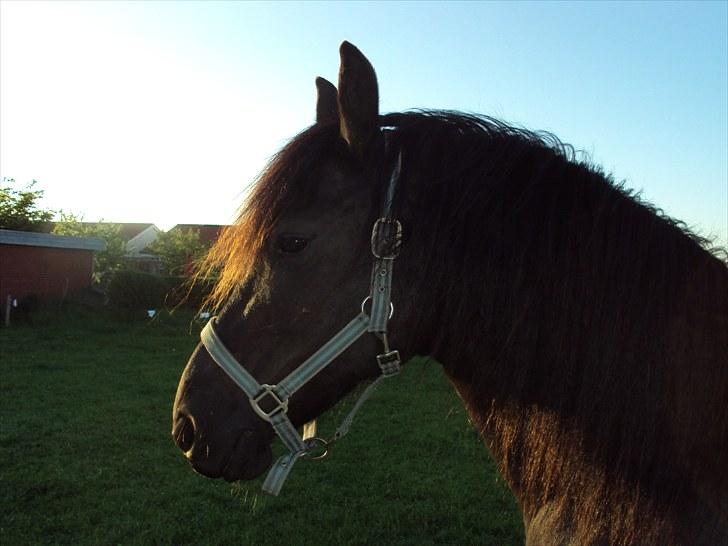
{"type": "Point", "coordinates": [386, 238]}
{"type": "Point", "coordinates": [368, 299]}
{"type": "Point", "coordinates": [386, 244]}
{"type": "Point", "coordinates": [316, 443]}
{"type": "Point", "coordinates": [281, 404]}
{"type": "Point", "coordinates": [390, 363]}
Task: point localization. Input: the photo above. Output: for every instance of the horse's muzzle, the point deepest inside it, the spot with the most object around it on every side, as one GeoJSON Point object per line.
{"type": "Point", "coordinates": [216, 428]}
{"type": "Point", "coordinates": [245, 457]}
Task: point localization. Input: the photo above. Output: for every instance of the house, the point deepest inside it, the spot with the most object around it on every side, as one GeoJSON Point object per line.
{"type": "Point", "coordinates": [44, 265]}
{"type": "Point", "coordinates": [137, 237]}
{"type": "Point", "coordinates": [137, 241]}
{"type": "Point", "coordinates": [209, 233]}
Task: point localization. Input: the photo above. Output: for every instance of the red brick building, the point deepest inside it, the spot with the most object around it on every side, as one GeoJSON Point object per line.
{"type": "Point", "coordinates": [44, 265]}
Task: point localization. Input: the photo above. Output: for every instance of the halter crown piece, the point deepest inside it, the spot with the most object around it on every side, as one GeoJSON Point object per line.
{"type": "Point", "coordinates": [270, 402]}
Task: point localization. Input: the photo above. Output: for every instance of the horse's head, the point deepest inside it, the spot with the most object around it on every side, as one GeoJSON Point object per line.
{"type": "Point", "coordinates": [292, 271]}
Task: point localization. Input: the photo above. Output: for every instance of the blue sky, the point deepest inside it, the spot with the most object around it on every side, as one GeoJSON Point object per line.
{"type": "Point", "coordinates": [164, 112]}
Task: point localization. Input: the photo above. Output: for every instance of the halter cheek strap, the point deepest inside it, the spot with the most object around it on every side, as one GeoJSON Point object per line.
{"type": "Point", "coordinates": [270, 402]}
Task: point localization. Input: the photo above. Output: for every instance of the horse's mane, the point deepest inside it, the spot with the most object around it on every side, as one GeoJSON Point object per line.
{"type": "Point", "coordinates": [537, 280]}
{"type": "Point", "coordinates": [283, 182]}
{"type": "Point", "coordinates": [543, 284]}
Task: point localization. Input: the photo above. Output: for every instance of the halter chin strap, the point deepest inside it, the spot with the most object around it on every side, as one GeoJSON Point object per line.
{"type": "Point", "coordinates": [270, 402]}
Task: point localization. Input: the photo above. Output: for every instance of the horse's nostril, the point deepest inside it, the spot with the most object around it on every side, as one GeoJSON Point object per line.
{"type": "Point", "coordinates": [184, 433]}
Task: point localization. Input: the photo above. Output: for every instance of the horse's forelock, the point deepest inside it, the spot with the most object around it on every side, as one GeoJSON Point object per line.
{"type": "Point", "coordinates": [284, 183]}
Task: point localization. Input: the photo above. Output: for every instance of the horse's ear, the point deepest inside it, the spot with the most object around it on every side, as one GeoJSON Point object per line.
{"type": "Point", "coordinates": [358, 100]}
{"type": "Point", "coordinates": [327, 109]}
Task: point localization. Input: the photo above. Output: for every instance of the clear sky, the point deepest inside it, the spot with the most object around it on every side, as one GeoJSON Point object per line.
{"type": "Point", "coordinates": [164, 112]}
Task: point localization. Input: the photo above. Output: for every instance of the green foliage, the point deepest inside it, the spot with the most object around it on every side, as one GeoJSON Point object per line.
{"type": "Point", "coordinates": [130, 289]}
{"type": "Point", "coordinates": [19, 208]}
{"type": "Point", "coordinates": [179, 250]}
{"type": "Point", "coordinates": [106, 262]}
{"type": "Point", "coordinates": [193, 295]}
{"type": "Point", "coordinates": [137, 290]}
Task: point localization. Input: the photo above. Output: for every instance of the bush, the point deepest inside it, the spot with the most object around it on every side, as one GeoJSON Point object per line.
{"type": "Point", "coordinates": [129, 289]}
{"type": "Point", "coordinates": [178, 249]}
{"type": "Point", "coordinates": [190, 295]}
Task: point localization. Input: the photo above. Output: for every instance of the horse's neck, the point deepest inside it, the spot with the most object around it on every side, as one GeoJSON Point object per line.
{"type": "Point", "coordinates": [518, 438]}
{"type": "Point", "coordinates": [567, 495]}
{"type": "Point", "coordinates": [561, 354]}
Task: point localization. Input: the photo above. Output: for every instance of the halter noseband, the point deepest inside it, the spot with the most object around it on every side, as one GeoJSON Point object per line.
{"type": "Point", "coordinates": [385, 243]}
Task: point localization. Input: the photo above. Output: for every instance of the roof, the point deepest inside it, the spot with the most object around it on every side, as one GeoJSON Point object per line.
{"type": "Point", "coordinates": [127, 230]}
{"type": "Point", "coordinates": [30, 238]}
{"type": "Point", "coordinates": [208, 232]}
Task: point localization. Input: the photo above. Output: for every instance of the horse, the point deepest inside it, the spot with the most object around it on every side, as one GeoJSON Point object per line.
{"type": "Point", "coordinates": [584, 329]}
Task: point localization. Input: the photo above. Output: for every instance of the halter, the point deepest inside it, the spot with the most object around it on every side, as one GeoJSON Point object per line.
{"type": "Point", "coordinates": [270, 402]}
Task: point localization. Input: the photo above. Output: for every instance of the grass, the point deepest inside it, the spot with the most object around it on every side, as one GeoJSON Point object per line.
{"type": "Point", "coordinates": [87, 457]}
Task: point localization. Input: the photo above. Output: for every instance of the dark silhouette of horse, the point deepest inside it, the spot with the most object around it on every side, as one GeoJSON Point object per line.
{"type": "Point", "coordinates": [585, 331]}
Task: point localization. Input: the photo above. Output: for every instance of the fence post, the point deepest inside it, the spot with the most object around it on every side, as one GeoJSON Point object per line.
{"type": "Point", "coordinates": [8, 305]}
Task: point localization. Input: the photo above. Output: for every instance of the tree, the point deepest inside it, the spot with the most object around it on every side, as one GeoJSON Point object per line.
{"type": "Point", "coordinates": [107, 261]}
{"type": "Point", "coordinates": [19, 208]}
{"type": "Point", "coordinates": [179, 250]}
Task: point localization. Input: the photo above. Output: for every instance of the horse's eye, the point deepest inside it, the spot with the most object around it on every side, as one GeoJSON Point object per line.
{"type": "Point", "coordinates": [291, 244]}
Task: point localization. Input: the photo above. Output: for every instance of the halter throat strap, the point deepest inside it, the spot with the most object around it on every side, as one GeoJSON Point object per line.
{"type": "Point", "coordinates": [270, 402]}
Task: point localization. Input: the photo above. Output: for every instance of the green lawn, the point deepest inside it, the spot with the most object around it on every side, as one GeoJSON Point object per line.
{"type": "Point", "coordinates": [86, 455]}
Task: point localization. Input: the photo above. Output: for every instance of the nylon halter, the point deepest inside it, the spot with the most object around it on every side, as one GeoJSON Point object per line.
{"type": "Point", "coordinates": [385, 244]}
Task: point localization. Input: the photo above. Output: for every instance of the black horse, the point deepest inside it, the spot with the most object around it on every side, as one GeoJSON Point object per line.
{"type": "Point", "coordinates": [586, 332]}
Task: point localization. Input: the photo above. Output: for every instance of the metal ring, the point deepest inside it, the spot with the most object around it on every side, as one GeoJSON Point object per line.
{"type": "Point", "coordinates": [391, 307]}
{"type": "Point", "coordinates": [312, 443]}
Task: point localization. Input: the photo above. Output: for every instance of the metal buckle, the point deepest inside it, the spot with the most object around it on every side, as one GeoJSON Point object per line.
{"type": "Point", "coordinates": [386, 238]}
{"type": "Point", "coordinates": [281, 405]}
{"type": "Point", "coordinates": [389, 363]}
